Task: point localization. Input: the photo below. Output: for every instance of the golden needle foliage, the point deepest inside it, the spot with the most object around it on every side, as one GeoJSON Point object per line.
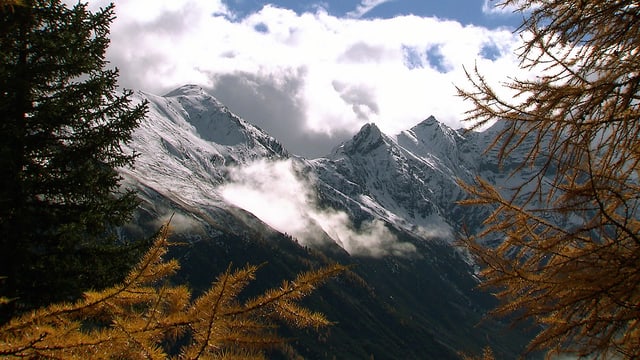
{"type": "Point", "coordinates": [144, 317]}
{"type": "Point", "coordinates": [570, 259]}
{"type": "Point", "coordinates": [487, 354]}
{"type": "Point", "coordinates": [10, 4]}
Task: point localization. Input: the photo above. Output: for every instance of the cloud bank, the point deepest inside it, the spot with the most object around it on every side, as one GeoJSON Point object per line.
{"type": "Point", "coordinates": [321, 76]}
{"type": "Point", "coordinates": [276, 194]}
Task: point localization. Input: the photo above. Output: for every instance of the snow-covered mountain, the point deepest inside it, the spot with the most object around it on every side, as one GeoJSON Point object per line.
{"type": "Point", "coordinates": [187, 141]}
{"type": "Point", "coordinates": [397, 194]}
{"type": "Point", "coordinates": [190, 141]}
{"type": "Point", "coordinates": [408, 180]}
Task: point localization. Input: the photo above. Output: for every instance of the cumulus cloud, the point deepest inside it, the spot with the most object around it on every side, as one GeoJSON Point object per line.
{"type": "Point", "coordinates": [276, 193]}
{"type": "Point", "coordinates": [328, 75]}
{"type": "Point", "coordinates": [267, 100]}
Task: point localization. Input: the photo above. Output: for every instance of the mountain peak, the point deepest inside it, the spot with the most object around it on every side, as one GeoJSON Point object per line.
{"type": "Point", "coordinates": [187, 90]}
{"type": "Point", "coordinates": [369, 130]}
{"type": "Point", "coordinates": [430, 121]}
{"type": "Point", "coordinates": [202, 114]}
{"type": "Point", "coordinates": [368, 138]}
{"type": "Point", "coordinates": [432, 139]}
{"type": "Point", "coordinates": [430, 125]}
{"type": "Point", "coordinates": [432, 128]}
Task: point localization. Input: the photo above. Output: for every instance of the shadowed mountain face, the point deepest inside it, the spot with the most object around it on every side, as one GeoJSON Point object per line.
{"type": "Point", "coordinates": [385, 204]}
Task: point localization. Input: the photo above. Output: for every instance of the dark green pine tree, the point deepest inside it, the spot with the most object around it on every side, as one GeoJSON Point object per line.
{"type": "Point", "coordinates": [62, 124]}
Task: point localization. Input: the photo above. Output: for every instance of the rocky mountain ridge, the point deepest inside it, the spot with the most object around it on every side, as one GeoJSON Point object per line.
{"type": "Point", "coordinates": [397, 193]}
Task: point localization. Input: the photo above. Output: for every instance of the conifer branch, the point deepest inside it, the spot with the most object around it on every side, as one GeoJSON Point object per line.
{"type": "Point", "coordinates": [136, 319]}
{"type": "Point", "coordinates": [571, 231]}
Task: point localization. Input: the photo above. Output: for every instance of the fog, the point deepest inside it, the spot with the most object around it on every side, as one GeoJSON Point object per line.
{"type": "Point", "coordinates": [279, 195]}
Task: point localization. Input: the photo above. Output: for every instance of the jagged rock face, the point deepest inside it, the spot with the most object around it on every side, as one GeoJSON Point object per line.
{"type": "Point", "coordinates": [409, 180]}
{"type": "Point", "coordinates": [380, 177]}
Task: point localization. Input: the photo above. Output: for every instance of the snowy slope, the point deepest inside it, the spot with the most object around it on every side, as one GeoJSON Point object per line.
{"type": "Point", "coordinates": [186, 142]}
{"type": "Point", "coordinates": [409, 180]}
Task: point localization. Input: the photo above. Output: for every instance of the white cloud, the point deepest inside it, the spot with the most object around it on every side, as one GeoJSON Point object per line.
{"type": "Point", "coordinates": [276, 193]}
{"type": "Point", "coordinates": [365, 6]}
{"type": "Point", "coordinates": [159, 45]}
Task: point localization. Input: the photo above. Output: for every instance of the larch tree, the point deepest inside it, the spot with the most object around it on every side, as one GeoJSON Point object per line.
{"type": "Point", "coordinates": [145, 317]}
{"type": "Point", "coordinates": [570, 256]}
{"type": "Point", "coordinates": [62, 123]}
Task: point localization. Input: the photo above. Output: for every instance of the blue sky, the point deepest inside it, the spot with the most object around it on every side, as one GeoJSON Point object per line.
{"type": "Point", "coordinates": [312, 73]}
{"type": "Point", "coordinates": [464, 11]}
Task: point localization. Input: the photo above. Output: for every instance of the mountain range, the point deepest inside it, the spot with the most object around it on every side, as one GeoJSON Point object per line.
{"type": "Point", "coordinates": [385, 204]}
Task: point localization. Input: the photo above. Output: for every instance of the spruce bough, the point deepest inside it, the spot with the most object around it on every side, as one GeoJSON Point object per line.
{"type": "Point", "coordinates": [62, 125]}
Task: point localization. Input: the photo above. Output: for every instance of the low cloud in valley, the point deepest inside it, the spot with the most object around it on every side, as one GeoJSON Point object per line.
{"type": "Point", "coordinates": [279, 195]}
